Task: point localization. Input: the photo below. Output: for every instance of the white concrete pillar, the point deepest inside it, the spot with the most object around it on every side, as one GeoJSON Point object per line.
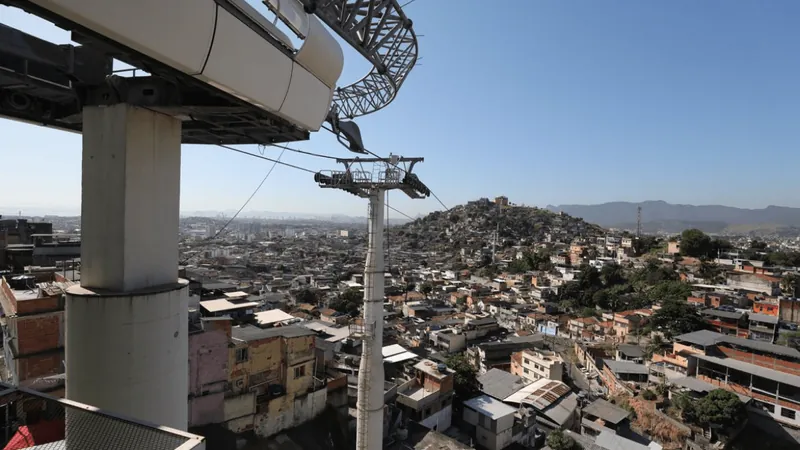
{"type": "Point", "coordinates": [127, 332]}
{"type": "Point", "coordinates": [370, 399]}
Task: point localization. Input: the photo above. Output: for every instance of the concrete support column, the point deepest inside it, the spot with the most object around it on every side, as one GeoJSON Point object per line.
{"type": "Point", "coordinates": [370, 399]}
{"type": "Point", "coordinates": [127, 322]}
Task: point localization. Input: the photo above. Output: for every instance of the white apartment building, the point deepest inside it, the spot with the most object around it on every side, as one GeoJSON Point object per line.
{"type": "Point", "coordinates": [533, 364]}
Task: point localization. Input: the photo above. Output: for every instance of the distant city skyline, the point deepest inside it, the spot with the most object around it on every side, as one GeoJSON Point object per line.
{"type": "Point", "coordinates": [686, 102]}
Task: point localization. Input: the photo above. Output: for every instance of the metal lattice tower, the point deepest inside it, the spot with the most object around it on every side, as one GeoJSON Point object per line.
{"type": "Point", "coordinates": [638, 222]}
{"type": "Point", "coordinates": [373, 184]}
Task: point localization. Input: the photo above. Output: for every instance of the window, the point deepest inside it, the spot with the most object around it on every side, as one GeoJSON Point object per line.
{"type": "Point", "coordinates": [526, 360]}
{"type": "Point", "coordinates": [788, 413]}
{"type": "Point", "coordinates": [299, 372]}
{"type": "Point", "coordinates": [526, 370]}
{"type": "Point", "coordinates": [242, 355]}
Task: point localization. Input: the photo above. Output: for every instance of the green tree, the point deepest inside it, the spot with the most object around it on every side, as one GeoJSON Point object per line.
{"type": "Point", "coordinates": [668, 290]}
{"type": "Point", "coordinates": [646, 244]}
{"type": "Point", "coordinates": [676, 317]}
{"type": "Point", "coordinates": [520, 265]}
{"type": "Point", "coordinates": [653, 272]}
{"type": "Point", "coordinates": [710, 271]}
{"type": "Point", "coordinates": [787, 259]}
{"type": "Point", "coordinates": [426, 289]}
{"type": "Point", "coordinates": [465, 380]}
{"type": "Point", "coordinates": [695, 243]}
{"type": "Point", "coordinates": [655, 345]}
{"type": "Point", "coordinates": [307, 295]}
{"type": "Point", "coordinates": [557, 440]}
{"type": "Point", "coordinates": [789, 284]}
{"type": "Point", "coordinates": [348, 302]}
{"type": "Point", "coordinates": [789, 339]}
{"type": "Point", "coordinates": [612, 274]}
{"type": "Point", "coordinates": [719, 407]}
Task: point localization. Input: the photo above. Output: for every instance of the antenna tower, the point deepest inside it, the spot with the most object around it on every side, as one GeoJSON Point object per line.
{"type": "Point", "coordinates": [638, 222]}
{"type": "Point", "coordinates": [373, 184]}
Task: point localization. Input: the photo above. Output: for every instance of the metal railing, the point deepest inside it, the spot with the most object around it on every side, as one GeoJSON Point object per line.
{"type": "Point", "coordinates": [31, 419]}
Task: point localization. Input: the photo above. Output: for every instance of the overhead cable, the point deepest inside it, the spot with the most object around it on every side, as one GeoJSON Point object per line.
{"type": "Point", "coordinates": [263, 180]}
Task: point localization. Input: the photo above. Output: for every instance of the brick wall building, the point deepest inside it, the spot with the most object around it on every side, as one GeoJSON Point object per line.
{"type": "Point", "coordinates": [33, 330]}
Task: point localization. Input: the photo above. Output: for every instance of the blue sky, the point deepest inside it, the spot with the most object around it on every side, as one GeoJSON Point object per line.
{"type": "Point", "coordinates": [545, 101]}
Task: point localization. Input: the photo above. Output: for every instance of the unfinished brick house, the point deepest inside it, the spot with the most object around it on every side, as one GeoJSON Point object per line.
{"type": "Point", "coordinates": [33, 330]}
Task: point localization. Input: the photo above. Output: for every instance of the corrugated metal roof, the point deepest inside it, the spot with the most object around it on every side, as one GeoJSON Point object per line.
{"type": "Point", "coordinates": [625, 366]}
{"type": "Point", "coordinates": [770, 374]}
{"type": "Point", "coordinates": [766, 318]}
{"type": "Point", "coordinates": [606, 411]}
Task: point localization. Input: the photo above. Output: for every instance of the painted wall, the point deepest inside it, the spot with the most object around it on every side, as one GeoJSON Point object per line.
{"type": "Point", "coordinates": [238, 412]}
{"type": "Point", "coordinates": [286, 412]}
{"type": "Point", "coordinates": [263, 356]}
{"type": "Point", "coordinates": [207, 409]}
{"type": "Point", "coordinates": [441, 420]}
{"type": "Point", "coordinates": [208, 373]}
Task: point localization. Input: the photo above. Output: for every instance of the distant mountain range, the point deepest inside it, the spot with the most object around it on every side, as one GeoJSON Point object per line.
{"type": "Point", "coordinates": [660, 216]}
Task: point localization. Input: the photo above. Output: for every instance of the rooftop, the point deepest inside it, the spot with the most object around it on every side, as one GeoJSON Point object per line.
{"type": "Point", "coordinates": [763, 372]}
{"type": "Point", "coordinates": [397, 353]}
{"type": "Point", "coordinates": [272, 317]}
{"type": "Point", "coordinates": [500, 384]}
{"type": "Point", "coordinates": [432, 369]}
{"type": "Point", "coordinates": [625, 367]}
{"type": "Point", "coordinates": [490, 407]}
{"type": "Point", "coordinates": [89, 427]}
{"type": "Point", "coordinates": [706, 338]}
{"type": "Point", "coordinates": [722, 314]}
{"type": "Point", "coordinates": [335, 334]}
{"type": "Point", "coordinates": [222, 304]}
{"type": "Point", "coordinates": [606, 411]}
{"type": "Point", "coordinates": [631, 351]}
{"type": "Point", "coordinates": [553, 399]}
{"type": "Point", "coordinates": [250, 333]}
{"type": "Point", "coordinates": [765, 318]}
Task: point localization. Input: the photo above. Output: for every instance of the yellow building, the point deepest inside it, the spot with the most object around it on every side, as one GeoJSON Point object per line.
{"type": "Point", "coordinates": [271, 384]}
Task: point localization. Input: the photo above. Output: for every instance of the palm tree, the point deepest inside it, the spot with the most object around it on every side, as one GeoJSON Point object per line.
{"type": "Point", "coordinates": [789, 284]}
{"type": "Point", "coordinates": [655, 345]}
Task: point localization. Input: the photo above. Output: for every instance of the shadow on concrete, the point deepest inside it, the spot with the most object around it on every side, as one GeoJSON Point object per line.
{"type": "Point", "coordinates": [764, 433]}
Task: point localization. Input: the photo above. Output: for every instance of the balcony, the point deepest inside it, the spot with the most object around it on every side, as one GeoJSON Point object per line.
{"type": "Point", "coordinates": [34, 420]}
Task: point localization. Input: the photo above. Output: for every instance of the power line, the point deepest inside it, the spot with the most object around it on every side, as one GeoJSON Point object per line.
{"type": "Point", "coordinates": [400, 212]}
{"type": "Point", "coordinates": [302, 152]}
{"type": "Point", "coordinates": [275, 161]}
{"type": "Point", "coordinates": [263, 180]}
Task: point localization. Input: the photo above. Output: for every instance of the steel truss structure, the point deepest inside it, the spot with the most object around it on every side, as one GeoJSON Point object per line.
{"type": "Point", "coordinates": [381, 32]}
{"type": "Point", "coordinates": [49, 84]}
{"type": "Point", "coordinates": [381, 174]}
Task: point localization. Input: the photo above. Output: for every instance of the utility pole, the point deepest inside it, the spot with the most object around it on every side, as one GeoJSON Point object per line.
{"type": "Point", "coordinates": [385, 175]}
